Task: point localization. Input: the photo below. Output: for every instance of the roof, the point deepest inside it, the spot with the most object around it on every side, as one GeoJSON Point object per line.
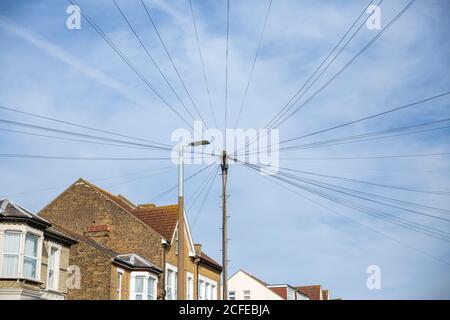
{"type": "Point", "coordinates": [120, 200]}
{"type": "Point", "coordinates": [131, 260]}
{"type": "Point", "coordinates": [313, 292]}
{"type": "Point", "coordinates": [265, 284]}
{"type": "Point", "coordinates": [12, 210]}
{"type": "Point", "coordinates": [210, 261]}
{"type": "Point", "coordinates": [162, 219]}
{"type": "Point", "coordinates": [137, 261]}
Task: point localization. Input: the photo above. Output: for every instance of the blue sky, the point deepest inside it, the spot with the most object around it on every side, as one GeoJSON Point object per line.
{"type": "Point", "coordinates": [73, 75]}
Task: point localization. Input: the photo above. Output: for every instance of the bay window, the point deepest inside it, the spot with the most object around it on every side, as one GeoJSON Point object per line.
{"type": "Point", "coordinates": [143, 286]}
{"type": "Point", "coordinates": [53, 267]}
{"type": "Point", "coordinates": [20, 253]}
{"type": "Point", "coordinates": [11, 254]}
{"type": "Point", "coordinates": [30, 256]}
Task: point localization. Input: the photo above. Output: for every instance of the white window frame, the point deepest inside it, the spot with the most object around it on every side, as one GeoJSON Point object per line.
{"type": "Point", "coordinates": [174, 292]}
{"type": "Point", "coordinates": [204, 293]}
{"type": "Point", "coordinates": [231, 295]}
{"type": "Point", "coordinates": [247, 294]}
{"type": "Point", "coordinates": [57, 266]}
{"type": "Point", "coordinates": [146, 276]}
{"type": "Point", "coordinates": [120, 273]}
{"type": "Point", "coordinates": [189, 286]}
{"type": "Point", "coordinates": [23, 230]}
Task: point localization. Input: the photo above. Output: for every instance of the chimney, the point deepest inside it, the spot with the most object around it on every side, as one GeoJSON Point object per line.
{"type": "Point", "coordinates": [198, 249]}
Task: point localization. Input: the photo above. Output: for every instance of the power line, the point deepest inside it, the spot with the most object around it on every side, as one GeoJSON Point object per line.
{"type": "Point", "coordinates": [373, 157]}
{"type": "Point", "coordinates": [72, 133]}
{"type": "Point", "coordinates": [364, 49]}
{"type": "Point", "coordinates": [95, 180]}
{"type": "Point", "coordinates": [152, 59]}
{"type": "Point", "coordinates": [420, 228]}
{"type": "Point", "coordinates": [409, 105]}
{"type": "Point", "coordinates": [200, 210]}
{"type": "Point", "coordinates": [226, 76]}
{"type": "Point", "coordinates": [387, 133]}
{"type": "Point", "coordinates": [315, 71]}
{"type": "Point", "coordinates": [202, 62]}
{"type": "Point", "coordinates": [357, 222]}
{"type": "Point", "coordinates": [325, 60]}
{"type": "Point", "coordinates": [172, 62]}
{"type": "Point", "coordinates": [79, 125]}
{"type": "Point", "coordinates": [31, 156]}
{"type": "Point", "coordinates": [127, 62]}
{"type": "Point", "coordinates": [258, 49]}
{"type": "Point", "coordinates": [446, 193]}
{"type": "Point", "coordinates": [402, 107]}
{"type": "Point", "coordinates": [163, 194]}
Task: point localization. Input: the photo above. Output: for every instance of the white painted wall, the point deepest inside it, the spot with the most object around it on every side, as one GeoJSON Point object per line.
{"type": "Point", "coordinates": [241, 282]}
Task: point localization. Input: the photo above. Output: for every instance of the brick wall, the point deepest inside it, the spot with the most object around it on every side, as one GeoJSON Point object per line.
{"type": "Point", "coordinates": [82, 206]}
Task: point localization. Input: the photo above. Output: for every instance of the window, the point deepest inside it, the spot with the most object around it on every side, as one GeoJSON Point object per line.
{"type": "Point", "coordinates": [232, 295]}
{"type": "Point", "coordinates": [151, 289]}
{"type": "Point", "coordinates": [143, 286]}
{"type": "Point", "coordinates": [139, 287]}
{"type": "Point", "coordinates": [171, 282]}
{"type": "Point", "coordinates": [290, 294]}
{"type": "Point", "coordinates": [11, 254]}
{"type": "Point", "coordinates": [207, 289]}
{"type": "Point", "coordinates": [246, 294]}
{"type": "Point", "coordinates": [30, 257]}
{"type": "Point", "coordinates": [20, 252]}
{"type": "Point", "coordinates": [201, 289]}
{"type": "Point", "coordinates": [213, 292]}
{"type": "Point", "coordinates": [53, 268]}
{"type": "Point", "coordinates": [176, 241]}
{"type": "Point", "coordinates": [119, 284]}
{"type": "Point", "coordinates": [190, 286]}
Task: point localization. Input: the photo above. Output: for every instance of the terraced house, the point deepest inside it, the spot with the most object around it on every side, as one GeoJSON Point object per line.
{"type": "Point", "coordinates": [34, 256]}
{"type": "Point", "coordinates": [127, 251]}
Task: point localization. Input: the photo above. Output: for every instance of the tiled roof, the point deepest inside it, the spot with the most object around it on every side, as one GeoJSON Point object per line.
{"type": "Point", "coordinates": [313, 292]}
{"type": "Point", "coordinates": [162, 219]}
{"type": "Point", "coordinates": [9, 209]}
{"type": "Point", "coordinates": [119, 200]}
{"type": "Point", "coordinates": [136, 261]}
{"type": "Point", "coordinates": [210, 260]}
{"type": "Point", "coordinates": [265, 284]}
{"type": "Point", "coordinates": [132, 260]}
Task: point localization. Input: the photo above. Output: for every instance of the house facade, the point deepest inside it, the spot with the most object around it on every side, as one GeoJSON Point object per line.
{"type": "Point", "coordinates": [314, 292]}
{"type": "Point", "coordinates": [288, 292]}
{"type": "Point", "coordinates": [245, 286]}
{"type": "Point", "coordinates": [127, 251]}
{"type": "Point", "coordinates": [34, 256]}
{"type": "Point", "coordinates": [202, 273]}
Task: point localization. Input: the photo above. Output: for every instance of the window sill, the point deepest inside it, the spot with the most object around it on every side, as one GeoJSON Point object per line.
{"type": "Point", "coordinates": [21, 279]}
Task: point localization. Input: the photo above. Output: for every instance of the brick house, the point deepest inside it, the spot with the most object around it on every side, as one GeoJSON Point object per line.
{"type": "Point", "coordinates": [125, 250]}
{"type": "Point", "coordinates": [202, 272]}
{"type": "Point", "coordinates": [34, 255]}
{"type": "Point", "coordinates": [314, 292]}
{"type": "Point", "coordinates": [288, 292]}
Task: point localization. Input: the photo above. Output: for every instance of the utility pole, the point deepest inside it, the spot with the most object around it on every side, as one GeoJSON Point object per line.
{"type": "Point", "coordinates": [180, 276]}
{"type": "Point", "coordinates": [181, 223]}
{"type": "Point", "coordinates": [224, 167]}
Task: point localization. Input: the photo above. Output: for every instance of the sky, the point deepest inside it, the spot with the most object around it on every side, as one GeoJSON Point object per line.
{"type": "Point", "coordinates": [275, 234]}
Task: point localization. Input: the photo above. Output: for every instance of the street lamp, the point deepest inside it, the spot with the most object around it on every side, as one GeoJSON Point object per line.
{"type": "Point", "coordinates": [180, 277]}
